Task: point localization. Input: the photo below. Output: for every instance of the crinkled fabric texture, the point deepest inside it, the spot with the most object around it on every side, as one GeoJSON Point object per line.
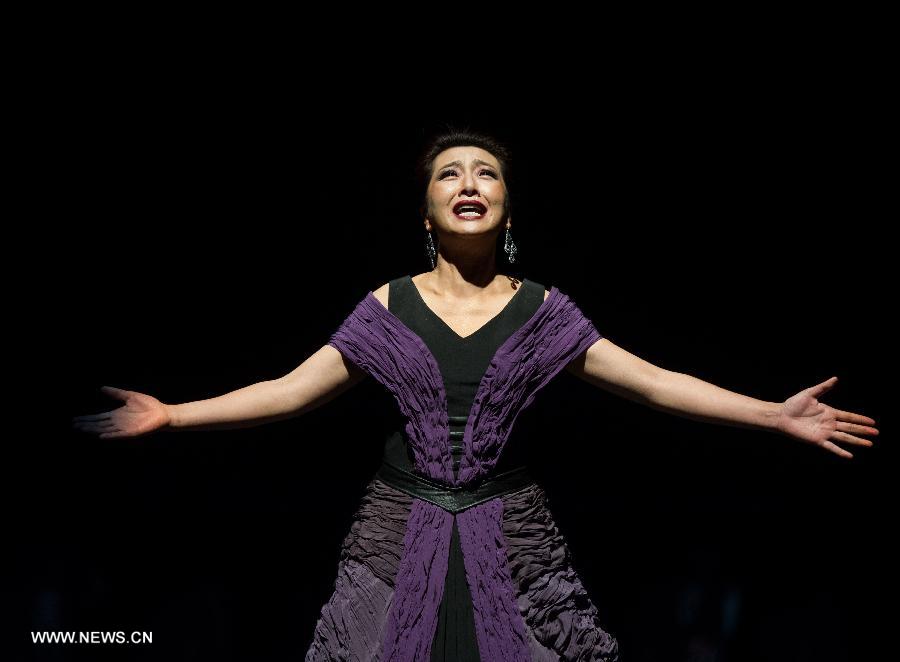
{"type": "Point", "coordinates": [556, 334]}
{"type": "Point", "coordinates": [511, 624]}
{"type": "Point", "coordinates": [498, 623]}
{"type": "Point", "coordinates": [352, 622]}
{"type": "Point", "coordinates": [559, 618]}
{"type": "Point", "coordinates": [556, 608]}
{"type": "Point", "coordinates": [420, 583]}
{"type": "Point", "coordinates": [378, 342]}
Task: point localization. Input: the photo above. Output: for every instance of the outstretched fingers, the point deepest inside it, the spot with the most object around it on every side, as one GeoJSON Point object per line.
{"type": "Point", "coordinates": [819, 389]}
{"type": "Point", "coordinates": [850, 439]}
{"type": "Point", "coordinates": [119, 393]}
{"type": "Point", "coordinates": [855, 428]}
{"type": "Point", "coordinates": [95, 422]}
{"type": "Point", "coordinates": [850, 417]}
{"type": "Point", "coordinates": [95, 426]}
{"type": "Point", "coordinates": [837, 450]}
{"type": "Point", "coordinates": [88, 418]}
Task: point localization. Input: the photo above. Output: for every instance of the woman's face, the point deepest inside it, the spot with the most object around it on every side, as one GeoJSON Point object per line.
{"type": "Point", "coordinates": [466, 194]}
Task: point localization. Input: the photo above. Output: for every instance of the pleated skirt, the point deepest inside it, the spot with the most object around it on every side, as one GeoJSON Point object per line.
{"type": "Point", "coordinates": [561, 621]}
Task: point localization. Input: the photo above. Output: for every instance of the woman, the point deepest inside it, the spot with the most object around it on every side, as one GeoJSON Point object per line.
{"type": "Point", "coordinates": [453, 554]}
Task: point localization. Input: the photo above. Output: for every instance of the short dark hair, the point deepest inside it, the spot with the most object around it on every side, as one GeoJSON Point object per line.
{"type": "Point", "coordinates": [461, 137]}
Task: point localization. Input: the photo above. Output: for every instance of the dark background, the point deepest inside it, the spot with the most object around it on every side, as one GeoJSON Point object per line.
{"type": "Point", "coordinates": [212, 225]}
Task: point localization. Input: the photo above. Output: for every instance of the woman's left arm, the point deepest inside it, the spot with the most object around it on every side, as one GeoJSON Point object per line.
{"type": "Point", "coordinates": [801, 416]}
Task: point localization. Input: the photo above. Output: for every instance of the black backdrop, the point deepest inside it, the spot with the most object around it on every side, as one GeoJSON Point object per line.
{"type": "Point", "coordinates": [212, 231]}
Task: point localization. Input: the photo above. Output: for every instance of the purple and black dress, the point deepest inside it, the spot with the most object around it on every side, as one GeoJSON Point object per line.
{"type": "Point", "coordinates": [453, 554]}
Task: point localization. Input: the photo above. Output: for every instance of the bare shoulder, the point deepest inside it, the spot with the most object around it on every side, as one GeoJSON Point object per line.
{"type": "Point", "coordinates": [518, 282]}
{"type": "Point", "coordinates": [381, 294]}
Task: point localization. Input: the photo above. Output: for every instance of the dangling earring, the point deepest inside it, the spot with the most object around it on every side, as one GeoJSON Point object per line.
{"type": "Point", "coordinates": [429, 248]}
{"type": "Point", "coordinates": [509, 247]}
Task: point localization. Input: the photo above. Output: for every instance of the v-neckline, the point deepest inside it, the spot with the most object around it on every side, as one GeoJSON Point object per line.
{"type": "Point", "coordinates": [469, 433]}
{"type": "Point", "coordinates": [449, 328]}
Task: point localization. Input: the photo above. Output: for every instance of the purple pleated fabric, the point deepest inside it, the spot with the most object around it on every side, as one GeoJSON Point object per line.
{"type": "Point", "coordinates": [498, 623]}
{"type": "Point", "coordinates": [557, 610]}
{"type": "Point", "coordinates": [420, 582]}
{"type": "Point", "coordinates": [353, 620]}
{"type": "Point", "coordinates": [509, 623]}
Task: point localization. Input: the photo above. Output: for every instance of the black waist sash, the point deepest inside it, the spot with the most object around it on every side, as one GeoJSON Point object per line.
{"type": "Point", "coordinates": [454, 499]}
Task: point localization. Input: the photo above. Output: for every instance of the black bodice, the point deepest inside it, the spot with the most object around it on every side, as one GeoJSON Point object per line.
{"type": "Point", "coordinates": [462, 362]}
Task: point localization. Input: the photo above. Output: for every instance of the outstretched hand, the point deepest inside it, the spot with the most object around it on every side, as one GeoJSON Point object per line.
{"type": "Point", "coordinates": [141, 414]}
{"type": "Point", "coordinates": [805, 418]}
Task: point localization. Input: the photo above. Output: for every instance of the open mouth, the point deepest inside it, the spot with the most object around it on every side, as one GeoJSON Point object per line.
{"type": "Point", "coordinates": [469, 209]}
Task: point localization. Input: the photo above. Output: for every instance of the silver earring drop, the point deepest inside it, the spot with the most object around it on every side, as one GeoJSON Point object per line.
{"type": "Point", "coordinates": [510, 247]}
{"type": "Point", "coordinates": [429, 248]}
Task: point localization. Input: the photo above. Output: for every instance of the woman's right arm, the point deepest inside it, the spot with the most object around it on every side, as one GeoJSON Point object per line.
{"type": "Point", "coordinates": [320, 378]}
